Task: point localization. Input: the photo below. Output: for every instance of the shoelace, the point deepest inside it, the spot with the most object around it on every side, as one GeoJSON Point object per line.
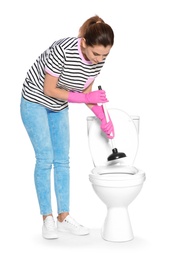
{"type": "Point", "coordinates": [50, 224]}
{"type": "Point", "coordinates": [72, 222]}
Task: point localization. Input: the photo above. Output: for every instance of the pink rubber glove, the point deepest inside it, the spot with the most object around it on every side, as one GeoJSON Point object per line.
{"type": "Point", "coordinates": [94, 97]}
{"type": "Point", "coordinates": [107, 128]}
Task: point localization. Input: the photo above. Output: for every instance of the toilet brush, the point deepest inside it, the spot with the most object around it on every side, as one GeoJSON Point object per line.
{"type": "Point", "coordinates": [115, 154]}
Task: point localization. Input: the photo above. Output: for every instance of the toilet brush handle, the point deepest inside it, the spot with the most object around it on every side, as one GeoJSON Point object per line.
{"type": "Point", "coordinates": [105, 108]}
{"type": "Point", "coordinates": [107, 118]}
{"type": "Point", "coordinates": [106, 112]}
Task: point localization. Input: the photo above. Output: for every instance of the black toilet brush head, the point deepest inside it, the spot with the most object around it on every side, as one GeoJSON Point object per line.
{"type": "Point", "coordinates": [116, 155]}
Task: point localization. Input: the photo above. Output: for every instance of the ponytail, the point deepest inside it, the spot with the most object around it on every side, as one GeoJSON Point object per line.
{"type": "Point", "coordinates": [96, 32]}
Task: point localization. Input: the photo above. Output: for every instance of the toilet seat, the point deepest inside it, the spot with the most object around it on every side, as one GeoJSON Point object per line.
{"type": "Point", "coordinates": [117, 176]}
{"type": "Point", "coordinates": [116, 168]}
{"type": "Point", "coordinates": [118, 180]}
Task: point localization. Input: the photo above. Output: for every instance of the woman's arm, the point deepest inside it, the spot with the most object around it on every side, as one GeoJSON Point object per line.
{"type": "Point", "coordinates": [51, 90]}
{"type": "Point", "coordinates": [88, 90]}
{"type": "Point", "coordinates": [88, 96]}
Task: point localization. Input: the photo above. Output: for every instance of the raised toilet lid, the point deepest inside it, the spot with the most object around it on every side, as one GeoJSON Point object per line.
{"type": "Point", "coordinates": [125, 140]}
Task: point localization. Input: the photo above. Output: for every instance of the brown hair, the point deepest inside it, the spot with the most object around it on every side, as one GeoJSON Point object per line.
{"type": "Point", "coordinates": [96, 32]}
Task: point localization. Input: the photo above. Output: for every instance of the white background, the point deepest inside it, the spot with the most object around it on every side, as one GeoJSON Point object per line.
{"type": "Point", "coordinates": [144, 75]}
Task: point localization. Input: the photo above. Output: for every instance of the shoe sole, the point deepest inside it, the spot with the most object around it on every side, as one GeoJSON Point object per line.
{"type": "Point", "coordinates": [73, 232]}
{"type": "Point", "coordinates": [50, 237]}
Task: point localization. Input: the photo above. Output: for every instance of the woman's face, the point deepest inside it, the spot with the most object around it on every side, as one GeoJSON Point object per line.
{"type": "Point", "coordinates": [95, 54]}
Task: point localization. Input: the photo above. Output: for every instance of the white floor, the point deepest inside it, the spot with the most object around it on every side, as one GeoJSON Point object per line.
{"type": "Point", "coordinates": [35, 247]}
{"type": "Point", "coordinates": [24, 241]}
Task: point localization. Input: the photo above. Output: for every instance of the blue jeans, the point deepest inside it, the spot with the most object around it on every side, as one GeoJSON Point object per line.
{"type": "Point", "coordinates": [49, 135]}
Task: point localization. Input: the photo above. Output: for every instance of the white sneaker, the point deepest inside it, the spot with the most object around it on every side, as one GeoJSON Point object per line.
{"type": "Point", "coordinates": [71, 226]}
{"type": "Point", "coordinates": [49, 230]}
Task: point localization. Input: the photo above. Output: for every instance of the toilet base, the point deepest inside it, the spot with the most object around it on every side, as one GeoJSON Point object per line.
{"type": "Point", "coordinates": [117, 226]}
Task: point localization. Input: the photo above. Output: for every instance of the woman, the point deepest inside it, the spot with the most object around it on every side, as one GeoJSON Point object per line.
{"type": "Point", "coordinates": [63, 73]}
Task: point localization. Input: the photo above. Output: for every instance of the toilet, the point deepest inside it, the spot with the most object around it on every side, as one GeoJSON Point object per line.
{"type": "Point", "coordinates": [117, 183]}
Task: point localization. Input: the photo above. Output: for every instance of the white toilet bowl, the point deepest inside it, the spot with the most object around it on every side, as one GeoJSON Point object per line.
{"type": "Point", "coordinates": [116, 183]}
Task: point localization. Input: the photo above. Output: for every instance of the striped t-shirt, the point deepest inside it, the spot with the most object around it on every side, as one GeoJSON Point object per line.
{"type": "Point", "coordinates": [63, 59]}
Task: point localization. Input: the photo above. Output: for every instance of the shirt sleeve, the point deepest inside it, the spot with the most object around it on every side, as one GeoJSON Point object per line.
{"type": "Point", "coordinates": [55, 61]}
